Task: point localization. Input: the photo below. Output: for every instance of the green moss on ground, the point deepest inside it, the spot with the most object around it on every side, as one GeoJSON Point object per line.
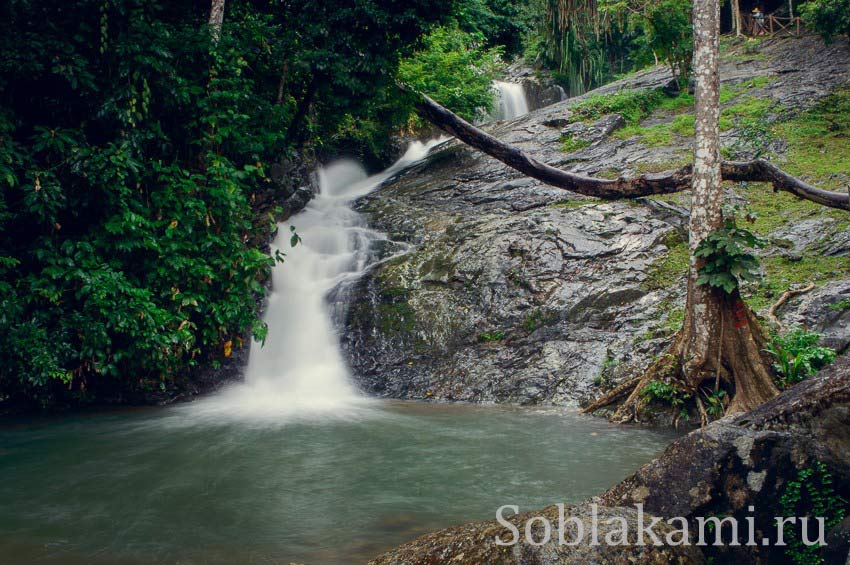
{"type": "Point", "coordinates": [395, 319]}
{"type": "Point", "coordinates": [649, 167]}
{"type": "Point", "coordinates": [485, 337]}
{"type": "Point", "coordinates": [570, 143]}
{"type": "Point", "coordinates": [633, 105]}
{"type": "Point", "coordinates": [782, 273]}
{"type": "Point", "coordinates": [817, 152]}
{"type": "Point", "coordinates": [747, 109]}
{"type": "Point", "coordinates": [537, 319]}
{"type": "Point", "coordinates": [609, 174]}
{"type": "Point", "coordinates": [671, 267]}
{"type": "Point", "coordinates": [819, 142]}
{"type": "Point", "coordinates": [652, 136]}
{"type": "Point", "coordinates": [571, 203]}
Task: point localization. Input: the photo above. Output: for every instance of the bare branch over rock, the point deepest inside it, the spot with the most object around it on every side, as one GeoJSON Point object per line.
{"type": "Point", "coordinates": [644, 185]}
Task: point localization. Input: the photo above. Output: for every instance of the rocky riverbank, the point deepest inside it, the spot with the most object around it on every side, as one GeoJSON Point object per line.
{"type": "Point", "coordinates": [514, 291]}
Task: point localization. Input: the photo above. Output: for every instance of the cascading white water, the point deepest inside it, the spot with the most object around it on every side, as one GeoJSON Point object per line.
{"type": "Point", "coordinates": [300, 372]}
{"type": "Point", "coordinates": [511, 102]}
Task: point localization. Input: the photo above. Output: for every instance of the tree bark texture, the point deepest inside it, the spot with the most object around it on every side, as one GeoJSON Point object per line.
{"type": "Point", "coordinates": [216, 18]}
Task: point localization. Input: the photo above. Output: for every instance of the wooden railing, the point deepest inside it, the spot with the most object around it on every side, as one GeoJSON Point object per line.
{"type": "Point", "coordinates": [770, 25]}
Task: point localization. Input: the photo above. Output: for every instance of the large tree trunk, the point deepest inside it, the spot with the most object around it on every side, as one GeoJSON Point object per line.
{"type": "Point", "coordinates": [216, 18]}
{"type": "Point", "coordinates": [281, 85]}
{"type": "Point", "coordinates": [720, 334]}
{"type": "Point", "coordinates": [703, 318]}
{"type": "Point", "coordinates": [721, 340]}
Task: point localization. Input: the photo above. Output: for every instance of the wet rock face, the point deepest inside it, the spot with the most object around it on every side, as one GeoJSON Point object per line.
{"type": "Point", "coordinates": [293, 185]}
{"type": "Point", "coordinates": [514, 291]}
{"type": "Point", "coordinates": [826, 310]}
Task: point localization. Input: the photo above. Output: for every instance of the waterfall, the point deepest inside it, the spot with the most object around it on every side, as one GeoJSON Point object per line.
{"type": "Point", "coordinates": [511, 102]}
{"type": "Point", "coordinates": [299, 371]}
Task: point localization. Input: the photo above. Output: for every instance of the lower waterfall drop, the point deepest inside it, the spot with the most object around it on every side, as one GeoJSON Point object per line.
{"type": "Point", "coordinates": [300, 372]}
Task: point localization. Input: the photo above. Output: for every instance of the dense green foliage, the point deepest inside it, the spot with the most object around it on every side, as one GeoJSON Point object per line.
{"type": "Point", "coordinates": [586, 43]}
{"type": "Point", "coordinates": [829, 18]}
{"type": "Point", "coordinates": [454, 69]}
{"type": "Point", "coordinates": [668, 33]}
{"type": "Point", "coordinates": [666, 393]}
{"type": "Point", "coordinates": [567, 40]}
{"type": "Point", "coordinates": [502, 23]}
{"type": "Point", "coordinates": [131, 149]}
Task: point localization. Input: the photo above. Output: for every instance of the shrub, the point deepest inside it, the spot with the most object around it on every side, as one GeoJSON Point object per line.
{"type": "Point", "coordinates": [798, 355]}
{"type": "Point", "coordinates": [633, 105]}
{"type": "Point", "coordinates": [827, 17]}
{"type": "Point", "coordinates": [727, 255]}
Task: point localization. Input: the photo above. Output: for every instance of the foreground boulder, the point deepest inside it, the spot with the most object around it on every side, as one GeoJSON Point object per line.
{"type": "Point", "coordinates": [476, 542]}
{"type": "Point", "coordinates": [750, 460]}
{"type": "Point", "coordinates": [739, 467]}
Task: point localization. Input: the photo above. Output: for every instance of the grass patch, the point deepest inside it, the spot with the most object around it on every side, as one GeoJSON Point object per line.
{"type": "Point", "coordinates": [570, 143]}
{"type": "Point", "coordinates": [756, 82]}
{"type": "Point", "coordinates": [818, 142]}
{"type": "Point", "coordinates": [572, 203]}
{"type": "Point", "coordinates": [776, 209]}
{"type": "Point", "coordinates": [650, 167]}
{"type": "Point", "coordinates": [608, 174]}
{"type": "Point", "coordinates": [652, 136]}
{"type": "Point", "coordinates": [780, 273]}
{"type": "Point", "coordinates": [633, 105]}
{"type": "Point", "coordinates": [491, 336]}
{"type": "Point", "coordinates": [683, 125]}
{"type": "Point", "coordinates": [749, 108]}
{"type": "Point", "coordinates": [727, 93]}
{"type": "Point", "coordinates": [677, 103]}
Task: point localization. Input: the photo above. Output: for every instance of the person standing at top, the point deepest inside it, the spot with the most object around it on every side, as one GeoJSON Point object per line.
{"type": "Point", "coordinates": [758, 19]}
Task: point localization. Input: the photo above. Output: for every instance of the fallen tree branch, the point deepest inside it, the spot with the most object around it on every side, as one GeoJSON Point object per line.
{"type": "Point", "coordinates": [787, 295]}
{"type": "Point", "coordinates": [644, 185]}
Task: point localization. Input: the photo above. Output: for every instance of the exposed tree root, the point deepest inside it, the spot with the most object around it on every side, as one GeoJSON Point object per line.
{"type": "Point", "coordinates": [787, 295]}
{"type": "Point", "coordinates": [613, 395]}
{"type": "Point", "coordinates": [741, 366]}
{"type": "Point", "coordinates": [703, 416]}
